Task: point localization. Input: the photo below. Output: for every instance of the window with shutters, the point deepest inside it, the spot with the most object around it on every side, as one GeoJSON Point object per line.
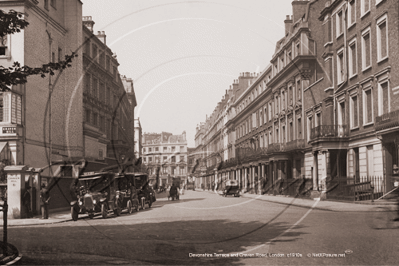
{"type": "Point", "coordinates": [10, 108]}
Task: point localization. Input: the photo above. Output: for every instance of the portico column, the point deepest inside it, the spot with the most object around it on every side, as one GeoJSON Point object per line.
{"type": "Point", "coordinates": [259, 177]}
{"type": "Point", "coordinates": [245, 178]}
{"type": "Point", "coordinates": [315, 172]}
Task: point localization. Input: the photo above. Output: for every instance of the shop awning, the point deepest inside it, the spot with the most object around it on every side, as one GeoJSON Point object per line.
{"type": "Point", "coordinates": [5, 153]}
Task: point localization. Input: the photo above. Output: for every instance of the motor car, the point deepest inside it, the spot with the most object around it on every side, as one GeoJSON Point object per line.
{"type": "Point", "coordinates": [91, 194]}
{"type": "Point", "coordinates": [145, 192]}
{"type": "Point", "coordinates": [231, 188]}
{"type": "Point", "coordinates": [104, 192]}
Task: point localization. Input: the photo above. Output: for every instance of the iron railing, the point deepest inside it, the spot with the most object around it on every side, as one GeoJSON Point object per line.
{"type": "Point", "coordinates": [386, 121]}
{"type": "Point", "coordinates": [329, 131]}
{"type": "Point", "coordinates": [297, 144]}
{"type": "Point", "coordinates": [346, 188]}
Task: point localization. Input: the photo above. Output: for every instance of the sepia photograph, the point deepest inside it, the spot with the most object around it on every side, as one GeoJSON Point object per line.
{"type": "Point", "coordinates": [199, 132]}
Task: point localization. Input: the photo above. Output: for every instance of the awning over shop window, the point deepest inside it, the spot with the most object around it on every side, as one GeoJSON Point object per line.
{"type": "Point", "coordinates": [5, 154]}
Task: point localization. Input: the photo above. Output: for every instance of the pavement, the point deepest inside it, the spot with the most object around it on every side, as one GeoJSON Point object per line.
{"type": "Point", "coordinates": [328, 205]}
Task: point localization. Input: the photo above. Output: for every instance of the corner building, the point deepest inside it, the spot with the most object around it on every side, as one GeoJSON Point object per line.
{"type": "Point", "coordinates": [361, 58]}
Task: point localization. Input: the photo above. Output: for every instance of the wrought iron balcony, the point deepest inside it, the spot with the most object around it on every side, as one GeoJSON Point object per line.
{"type": "Point", "coordinates": [387, 121]}
{"type": "Point", "coordinates": [329, 131]}
{"type": "Point", "coordinates": [297, 144]}
{"type": "Point", "coordinates": [276, 147]}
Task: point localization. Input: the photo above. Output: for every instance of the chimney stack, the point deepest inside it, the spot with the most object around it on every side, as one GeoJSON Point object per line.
{"type": "Point", "coordinates": [101, 36]}
{"type": "Point", "coordinates": [288, 24]}
{"type": "Point", "coordinates": [88, 22]}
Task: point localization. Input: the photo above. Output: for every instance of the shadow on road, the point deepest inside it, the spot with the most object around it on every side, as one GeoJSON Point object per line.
{"type": "Point", "coordinates": [162, 243]}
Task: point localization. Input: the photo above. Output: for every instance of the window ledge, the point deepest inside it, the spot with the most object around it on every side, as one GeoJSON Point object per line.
{"type": "Point", "coordinates": [365, 14]}
{"type": "Point", "coordinates": [382, 60]}
{"type": "Point", "coordinates": [354, 128]}
{"type": "Point", "coordinates": [377, 3]}
{"type": "Point", "coordinates": [340, 35]}
{"type": "Point", "coordinates": [351, 26]}
{"type": "Point", "coordinates": [353, 76]}
{"type": "Point", "coordinates": [367, 68]}
{"type": "Point", "coordinates": [368, 124]}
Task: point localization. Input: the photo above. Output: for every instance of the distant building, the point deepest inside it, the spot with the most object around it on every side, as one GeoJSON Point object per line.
{"type": "Point", "coordinates": [167, 152]}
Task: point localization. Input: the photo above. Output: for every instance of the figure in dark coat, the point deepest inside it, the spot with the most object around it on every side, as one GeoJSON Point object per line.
{"type": "Point", "coordinates": [26, 202]}
{"type": "Point", "coordinates": [44, 199]}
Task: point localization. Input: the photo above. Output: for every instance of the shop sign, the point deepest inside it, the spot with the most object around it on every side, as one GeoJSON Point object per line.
{"type": "Point", "coordinates": [13, 180]}
{"type": "Point", "coordinates": [9, 130]}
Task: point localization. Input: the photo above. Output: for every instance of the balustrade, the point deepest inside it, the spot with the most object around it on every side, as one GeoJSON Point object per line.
{"type": "Point", "coordinates": [329, 131]}
{"type": "Point", "coordinates": [386, 121]}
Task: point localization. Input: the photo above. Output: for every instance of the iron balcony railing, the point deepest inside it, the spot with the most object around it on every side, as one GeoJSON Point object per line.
{"type": "Point", "coordinates": [387, 121]}
{"type": "Point", "coordinates": [297, 144]}
{"type": "Point", "coordinates": [329, 131]}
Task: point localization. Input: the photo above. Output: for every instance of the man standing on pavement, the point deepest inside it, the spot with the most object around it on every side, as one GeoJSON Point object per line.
{"type": "Point", "coordinates": [44, 199]}
{"type": "Point", "coordinates": [26, 202]}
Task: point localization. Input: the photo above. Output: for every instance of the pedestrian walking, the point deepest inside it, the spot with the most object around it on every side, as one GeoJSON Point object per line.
{"type": "Point", "coordinates": [26, 202]}
{"type": "Point", "coordinates": [44, 200]}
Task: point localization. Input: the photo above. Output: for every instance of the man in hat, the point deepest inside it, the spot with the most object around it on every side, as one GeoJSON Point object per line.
{"type": "Point", "coordinates": [44, 199]}
{"type": "Point", "coordinates": [26, 202]}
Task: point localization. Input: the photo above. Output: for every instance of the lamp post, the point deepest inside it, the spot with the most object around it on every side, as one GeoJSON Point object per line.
{"type": "Point", "coordinates": [4, 209]}
{"type": "Point", "coordinates": [216, 170]}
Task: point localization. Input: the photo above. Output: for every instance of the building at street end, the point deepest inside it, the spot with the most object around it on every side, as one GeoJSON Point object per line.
{"type": "Point", "coordinates": [166, 153]}
{"type": "Point", "coordinates": [320, 120]}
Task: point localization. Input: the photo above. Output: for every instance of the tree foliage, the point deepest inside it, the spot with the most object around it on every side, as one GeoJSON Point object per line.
{"type": "Point", "coordinates": [13, 22]}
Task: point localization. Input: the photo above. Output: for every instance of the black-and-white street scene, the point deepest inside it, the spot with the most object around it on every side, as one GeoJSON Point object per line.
{"type": "Point", "coordinates": [212, 132]}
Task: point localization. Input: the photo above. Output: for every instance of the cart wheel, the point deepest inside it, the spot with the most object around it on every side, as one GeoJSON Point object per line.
{"type": "Point", "coordinates": [91, 215]}
{"type": "Point", "coordinates": [118, 211]}
{"type": "Point", "coordinates": [74, 213]}
{"type": "Point", "coordinates": [137, 204]}
{"type": "Point", "coordinates": [104, 210]}
{"type": "Point", "coordinates": [129, 206]}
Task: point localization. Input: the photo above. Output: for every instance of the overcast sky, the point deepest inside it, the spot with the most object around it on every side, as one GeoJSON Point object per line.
{"type": "Point", "coordinates": [184, 55]}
